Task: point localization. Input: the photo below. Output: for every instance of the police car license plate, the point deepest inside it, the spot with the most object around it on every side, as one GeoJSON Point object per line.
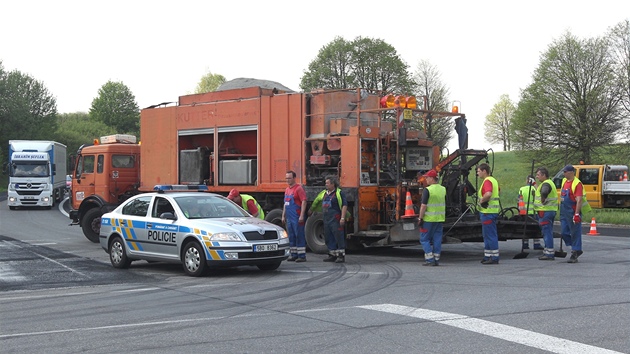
{"type": "Point", "coordinates": [265, 248]}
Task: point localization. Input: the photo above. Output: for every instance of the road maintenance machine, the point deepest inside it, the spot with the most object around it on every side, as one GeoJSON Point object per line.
{"type": "Point", "coordinates": [374, 144]}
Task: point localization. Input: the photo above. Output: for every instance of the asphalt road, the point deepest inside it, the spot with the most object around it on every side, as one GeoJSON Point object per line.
{"type": "Point", "coordinates": [58, 293]}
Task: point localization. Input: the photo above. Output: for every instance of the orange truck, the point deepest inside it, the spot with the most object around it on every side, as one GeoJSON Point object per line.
{"type": "Point", "coordinates": [248, 139]}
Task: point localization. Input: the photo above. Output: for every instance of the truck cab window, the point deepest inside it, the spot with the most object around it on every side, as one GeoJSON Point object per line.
{"type": "Point", "coordinates": [99, 164]}
{"type": "Point", "coordinates": [123, 161]}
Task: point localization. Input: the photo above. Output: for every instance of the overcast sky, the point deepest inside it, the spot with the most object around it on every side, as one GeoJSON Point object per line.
{"type": "Point", "coordinates": [160, 49]}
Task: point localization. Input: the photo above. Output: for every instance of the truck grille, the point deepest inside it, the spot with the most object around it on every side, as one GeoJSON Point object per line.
{"type": "Point", "coordinates": [28, 192]}
{"type": "Point", "coordinates": [255, 236]}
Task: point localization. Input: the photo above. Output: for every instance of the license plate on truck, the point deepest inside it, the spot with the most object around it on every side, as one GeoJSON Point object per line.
{"type": "Point", "coordinates": [265, 248]}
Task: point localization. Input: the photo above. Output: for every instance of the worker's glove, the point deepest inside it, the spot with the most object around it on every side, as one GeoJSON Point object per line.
{"type": "Point", "coordinates": [420, 223]}
{"type": "Point", "coordinates": [577, 219]}
{"type": "Point", "coordinates": [484, 205]}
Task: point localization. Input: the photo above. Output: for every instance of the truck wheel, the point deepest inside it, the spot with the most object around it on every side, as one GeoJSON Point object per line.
{"type": "Point", "coordinates": [274, 217]}
{"type": "Point", "coordinates": [91, 224]}
{"type": "Point", "coordinates": [194, 259]}
{"type": "Point", "coordinates": [117, 253]}
{"type": "Point", "coordinates": [314, 230]}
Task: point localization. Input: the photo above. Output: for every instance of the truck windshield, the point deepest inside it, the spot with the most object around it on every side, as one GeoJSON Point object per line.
{"type": "Point", "coordinates": [29, 170]}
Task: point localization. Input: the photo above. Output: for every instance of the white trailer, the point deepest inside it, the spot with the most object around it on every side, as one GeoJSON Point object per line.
{"type": "Point", "coordinates": [37, 173]}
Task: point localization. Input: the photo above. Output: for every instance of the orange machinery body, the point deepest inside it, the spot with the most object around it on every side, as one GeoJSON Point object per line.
{"type": "Point", "coordinates": [264, 134]}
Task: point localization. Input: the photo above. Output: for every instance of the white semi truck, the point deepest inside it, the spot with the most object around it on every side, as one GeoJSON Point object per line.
{"type": "Point", "coordinates": [37, 173]}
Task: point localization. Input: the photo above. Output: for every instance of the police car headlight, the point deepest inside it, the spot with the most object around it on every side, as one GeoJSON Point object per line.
{"type": "Point", "coordinates": [225, 236]}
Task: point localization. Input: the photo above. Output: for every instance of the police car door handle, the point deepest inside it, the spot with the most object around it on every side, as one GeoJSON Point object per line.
{"type": "Point", "coordinates": [149, 225]}
{"type": "Point", "coordinates": [124, 222]}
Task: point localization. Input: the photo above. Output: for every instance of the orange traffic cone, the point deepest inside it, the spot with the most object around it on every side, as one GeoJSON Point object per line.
{"type": "Point", "coordinates": [625, 175]}
{"type": "Point", "coordinates": [593, 231]}
{"type": "Point", "coordinates": [409, 207]}
{"type": "Point", "coordinates": [521, 205]}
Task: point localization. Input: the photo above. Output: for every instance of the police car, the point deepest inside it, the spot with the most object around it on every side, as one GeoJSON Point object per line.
{"type": "Point", "coordinates": [198, 230]}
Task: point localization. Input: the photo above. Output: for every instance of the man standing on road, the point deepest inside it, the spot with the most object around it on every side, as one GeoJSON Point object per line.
{"type": "Point", "coordinates": [247, 202]}
{"type": "Point", "coordinates": [546, 207]}
{"type": "Point", "coordinates": [572, 204]}
{"type": "Point", "coordinates": [334, 205]}
{"type": "Point", "coordinates": [527, 193]}
{"type": "Point", "coordinates": [431, 219]}
{"type": "Point", "coordinates": [488, 212]}
{"type": "Point", "coordinates": [293, 216]}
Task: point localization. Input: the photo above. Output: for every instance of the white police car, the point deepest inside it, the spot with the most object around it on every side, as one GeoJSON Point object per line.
{"type": "Point", "coordinates": [198, 230]}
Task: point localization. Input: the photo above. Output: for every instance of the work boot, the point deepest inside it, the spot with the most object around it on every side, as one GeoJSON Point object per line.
{"type": "Point", "coordinates": [545, 257]}
{"type": "Point", "coordinates": [574, 257]}
{"type": "Point", "coordinates": [426, 264]}
{"type": "Point", "coordinates": [291, 259]}
{"type": "Point", "coordinates": [490, 261]}
{"type": "Point", "coordinates": [330, 258]}
{"type": "Point", "coordinates": [340, 259]}
{"type": "Point", "coordinates": [300, 259]}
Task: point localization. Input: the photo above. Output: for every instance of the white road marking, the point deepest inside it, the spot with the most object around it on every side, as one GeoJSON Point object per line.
{"type": "Point", "coordinates": [327, 271]}
{"type": "Point", "coordinates": [8, 274]}
{"type": "Point", "coordinates": [492, 329]}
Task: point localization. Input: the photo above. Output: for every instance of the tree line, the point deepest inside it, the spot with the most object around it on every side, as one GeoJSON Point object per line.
{"type": "Point", "coordinates": [579, 98]}
{"type": "Point", "coordinates": [577, 103]}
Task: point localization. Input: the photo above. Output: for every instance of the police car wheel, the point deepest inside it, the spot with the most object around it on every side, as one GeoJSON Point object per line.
{"type": "Point", "coordinates": [269, 266]}
{"type": "Point", "coordinates": [194, 259]}
{"type": "Point", "coordinates": [117, 254]}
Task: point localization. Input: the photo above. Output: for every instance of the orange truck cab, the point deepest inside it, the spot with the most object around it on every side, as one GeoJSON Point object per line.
{"type": "Point", "coordinates": [105, 174]}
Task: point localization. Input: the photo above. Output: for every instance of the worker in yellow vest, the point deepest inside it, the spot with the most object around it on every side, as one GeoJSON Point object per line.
{"type": "Point", "coordinates": [526, 195]}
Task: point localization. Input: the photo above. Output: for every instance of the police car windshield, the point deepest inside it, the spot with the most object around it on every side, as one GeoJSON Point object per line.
{"type": "Point", "coordinates": [204, 207]}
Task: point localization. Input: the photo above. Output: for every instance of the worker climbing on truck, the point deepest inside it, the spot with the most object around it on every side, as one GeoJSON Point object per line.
{"type": "Point", "coordinates": [247, 202]}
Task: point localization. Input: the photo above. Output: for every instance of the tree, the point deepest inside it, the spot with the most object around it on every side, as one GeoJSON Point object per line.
{"type": "Point", "coordinates": [574, 99]}
{"type": "Point", "coordinates": [331, 69]}
{"type": "Point", "coordinates": [116, 107]}
{"type": "Point", "coordinates": [619, 43]}
{"type": "Point", "coordinates": [27, 109]}
{"type": "Point", "coordinates": [368, 63]}
{"type": "Point", "coordinates": [498, 123]}
{"type": "Point", "coordinates": [209, 82]}
{"type": "Point", "coordinates": [76, 129]}
{"type": "Point", "coordinates": [428, 82]}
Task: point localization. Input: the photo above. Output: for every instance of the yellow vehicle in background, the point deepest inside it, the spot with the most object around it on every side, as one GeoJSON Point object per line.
{"type": "Point", "coordinates": [606, 186]}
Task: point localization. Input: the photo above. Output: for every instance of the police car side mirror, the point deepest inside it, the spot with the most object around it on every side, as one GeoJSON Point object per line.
{"type": "Point", "coordinates": [168, 216]}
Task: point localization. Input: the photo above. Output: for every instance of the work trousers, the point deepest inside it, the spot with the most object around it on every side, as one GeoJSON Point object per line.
{"type": "Point", "coordinates": [297, 238]}
{"type": "Point", "coordinates": [431, 233]}
{"type": "Point", "coordinates": [490, 236]}
{"type": "Point", "coordinates": [546, 227]}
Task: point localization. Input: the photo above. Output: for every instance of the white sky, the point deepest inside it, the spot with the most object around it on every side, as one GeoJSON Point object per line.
{"type": "Point", "coordinates": [160, 49]}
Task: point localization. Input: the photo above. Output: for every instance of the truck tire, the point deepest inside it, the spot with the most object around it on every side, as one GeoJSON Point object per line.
{"type": "Point", "coordinates": [91, 224]}
{"type": "Point", "coordinates": [275, 217]}
{"type": "Point", "coordinates": [314, 230]}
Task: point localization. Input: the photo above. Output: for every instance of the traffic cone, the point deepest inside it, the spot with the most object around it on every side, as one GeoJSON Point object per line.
{"type": "Point", "coordinates": [409, 207]}
{"type": "Point", "coordinates": [625, 175]}
{"type": "Point", "coordinates": [593, 231]}
{"type": "Point", "coordinates": [521, 205]}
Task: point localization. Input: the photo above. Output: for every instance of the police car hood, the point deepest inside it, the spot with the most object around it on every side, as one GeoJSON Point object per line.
{"type": "Point", "coordinates": [244, 224]}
